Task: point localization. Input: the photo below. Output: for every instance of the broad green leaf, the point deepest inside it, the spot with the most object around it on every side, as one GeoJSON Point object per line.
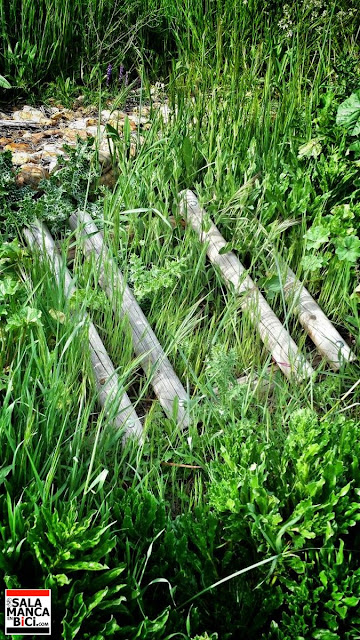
{"type": "Point", "coordinates": [4, 84]}
{"type": "Point", "coordinates": [316, 236]}
{"type": "Point", "coordinates": [32, 316]}
{"type": "Point", "coordinates": [348, 114]}
{"type": "Point", "coordinates": [344, 490]}
{"type": "Point", "coordinates": [187, 153]}
{"type": "Point", "coordinates": [8, 287]}
{"type": "Point", "coordinates": [61, 579]}
{"type": "Point", "coordinates": [312, 263]}
{"type": "Point", "coordinates": [83, 566]}
{"type": "Point", "coordinates": [95, 600]}
{"type": "Point", "coordinates": [57, 315]}
{"type": "Point", "coordinates": [348, 248]}
{"type": "Point", "coordinates": [310, 149]}
{"type": "Point", "coordinates": [323, 578]}
{"type": "Point", "coordinates": [4, 472]}
{"type": "Point", "coordinates": [325, 634]}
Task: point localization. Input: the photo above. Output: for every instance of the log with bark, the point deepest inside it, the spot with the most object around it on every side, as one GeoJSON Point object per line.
{"type": "Point", "coordinates": [274, 335]}
{"type": "Point", "coordinates": [155, 363]}
{"type": "Point", "coordinates": [111, 392]}
{"type": "Point", "coordinates": [322, 332]}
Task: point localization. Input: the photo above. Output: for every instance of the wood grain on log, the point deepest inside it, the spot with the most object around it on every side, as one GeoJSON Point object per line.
{"type": "Point", "coordinates": [111, 392]}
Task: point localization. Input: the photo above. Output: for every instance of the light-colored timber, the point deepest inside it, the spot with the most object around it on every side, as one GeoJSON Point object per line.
{"type": "Point", "coordinates": [111, 392]}
{"type": "Point", "coordinates": [167, 386]}
{"type": "Point", "coordinates": [22, 124]}
{"type": "Point", "coordinates": [274, 335]}
{"type": "Point", "coordinates": [327, 339]}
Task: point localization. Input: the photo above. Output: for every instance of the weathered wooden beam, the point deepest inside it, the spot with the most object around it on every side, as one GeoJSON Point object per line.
{"type": "Point", "coordinates": [327, 339]}
{"type": "Point", "coordinates": [157, 367]}
{"type": "Point", "coordinates": [107, 380]}
{"type": "Point", "coordinates": [22, 124]}
{"type": "Point", "coordinates": [274, 335]}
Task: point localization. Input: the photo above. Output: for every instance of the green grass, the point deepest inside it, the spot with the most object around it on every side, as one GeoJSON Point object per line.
{"type": "Point", "coordinates": [128, 540]}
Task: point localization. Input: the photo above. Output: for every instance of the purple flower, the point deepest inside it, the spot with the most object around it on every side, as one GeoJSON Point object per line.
{"type": "Point", "coordinates": [108, 74]}
{"type": "Point", "coordinates": [121, 73]}
{"type": "Point", "coordinates": [126, 79]}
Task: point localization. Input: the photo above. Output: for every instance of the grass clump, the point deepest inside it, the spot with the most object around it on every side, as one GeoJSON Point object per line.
{"type": "Point", "coordinates": [247, 524]}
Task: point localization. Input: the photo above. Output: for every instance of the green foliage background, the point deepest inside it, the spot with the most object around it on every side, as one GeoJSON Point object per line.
{"type": "Point", "coordinates": [264, 126]}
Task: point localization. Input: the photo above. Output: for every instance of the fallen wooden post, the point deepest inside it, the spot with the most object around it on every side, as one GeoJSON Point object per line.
{"type": "Point", "coordinates": [107, 381]}
{"type": "Point", "coordinates": [274, 335]}
{"type": "Point", "coordinates": [157, 367]}
{"type": "Point", "coordinates": [23, 124]}
{"type": "Point", "coordinates": [323, 334]}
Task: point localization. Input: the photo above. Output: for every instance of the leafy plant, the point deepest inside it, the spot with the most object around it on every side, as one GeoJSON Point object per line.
{"type": "Point", "coordinates": [348, 114]}
{"type": "Point", "coordinates": [4, 84]}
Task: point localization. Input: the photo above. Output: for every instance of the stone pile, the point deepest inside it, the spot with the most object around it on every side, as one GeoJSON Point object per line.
{"type": "Point", "coordinates": [36, 136]}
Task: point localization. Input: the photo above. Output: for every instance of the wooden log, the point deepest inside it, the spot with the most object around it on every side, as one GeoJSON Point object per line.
{"type": "Point", "coordinates": [22, 124]}
{"type": "Point", "coordinates": [274, 335]}
{"type": "Point", "coordinates": [327, 339]}
{"type": "Point", "coordinates": [111, 392]}
{"type": "Point", "coordinates": [157, 367]}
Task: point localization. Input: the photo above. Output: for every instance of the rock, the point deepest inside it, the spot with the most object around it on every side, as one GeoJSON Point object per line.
{"type": "Point", "coordinates": [143, 111]}
{"type": "Point", "coordinates": [31, 115]}
{"type": "Point", "coordinates": [79, 124]}
{"type": "Point", "coordinates": [51, 152]}
{"type": "Point", "coordinates": [79, 101]}
{"type": "Point", "coordinates": [116, 123]}
{"type": "Point", "coordinates": [49, 133]}
{"type": "Point", "coordinates": [109, 179]}
{"type": "Point", "coordinates": [138, 120]}
{"type": "Point", "coordinates": [105, 161]}
{"type": "Point", "coordinates": [71, 135]}
{"type": "Point", "coordinates": [35, 137]}
{"type": "Point", "coordinates": [133, 149]}
{"type": "Point", "coordinates": [52, 149]}
{"type": "Point", "coordinates": [58, 115]}
{"type": "Point", "coordinates": [93, 131]}
{"type": "Point", "coordinates": [105, 116]}
{"type": "Point", "coordinates": [57, 106]}
{"type": "Point", "coordinates": [20, 157]}
{"type": "Point", "coordinates": [90, 110]}
{"type": "Point", "coordinates": [31, 174]}
{"type": "Point", "coordinates": [18, 146]}
{"type": "Point", "coordinates": [5, 141]}
{"type": "Point", "coordinates": [64, 114]}
{"type": "Point", "coordinates": [52, 166]}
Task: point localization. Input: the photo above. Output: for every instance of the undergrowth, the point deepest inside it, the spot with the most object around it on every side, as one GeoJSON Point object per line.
{"type": "Point", "coordinates": [246, 525]}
